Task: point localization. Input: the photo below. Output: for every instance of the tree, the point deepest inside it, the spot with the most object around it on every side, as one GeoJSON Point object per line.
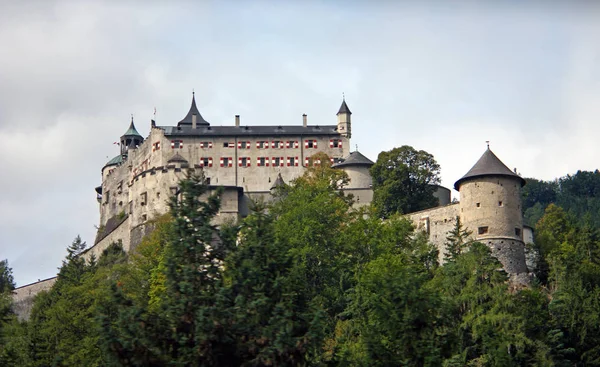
{"type": "Point", "coordinates": [456, 241]}
{"type": "Point", "coordinates": [403, 181]}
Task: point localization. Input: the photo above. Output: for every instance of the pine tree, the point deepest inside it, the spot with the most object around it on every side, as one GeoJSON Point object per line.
{"type": "Point", "coordinates": [193, 278]}
{"type": "Point", "coordinates": [456, 241]}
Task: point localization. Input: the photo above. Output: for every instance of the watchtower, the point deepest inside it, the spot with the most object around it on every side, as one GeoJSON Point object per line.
{"type": "Point", "coordinates": [490, 207]}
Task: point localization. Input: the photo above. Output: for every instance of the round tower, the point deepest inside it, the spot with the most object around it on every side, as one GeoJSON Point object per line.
{"type": "Point", "coordinates": [357, 167]}
{"type": "Point", "coordinates": [490, 207]}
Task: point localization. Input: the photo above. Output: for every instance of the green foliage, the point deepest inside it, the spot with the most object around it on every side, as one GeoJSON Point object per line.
{"type": "Point", "coordinates": [403, 181]}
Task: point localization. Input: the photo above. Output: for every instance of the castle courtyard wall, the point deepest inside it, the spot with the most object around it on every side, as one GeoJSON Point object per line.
{"type": "Point", "coordinates": [436, 222]}
{"type": "Point", "coordinates": [24, 296]}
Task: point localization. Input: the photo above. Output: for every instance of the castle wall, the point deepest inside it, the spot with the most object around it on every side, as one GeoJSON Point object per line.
{"type": "Point", "coordinates": [121, 233]}
{"type": "Point", "coordinates": [23, 297]}
{"type": "Point", "coordinates": [127, 189]}
{"type": "Point", "coordinates": [436, 222]}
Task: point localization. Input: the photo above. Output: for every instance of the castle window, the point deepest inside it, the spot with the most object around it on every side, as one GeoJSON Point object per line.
{"type": "Point", "coordinates": [206, 144]}
{"type": "Point", "coordinates": [158, 194]}
{"type": "Point", "coordinates": [244, 161]}
{"type": "Point", "coordinates": [518, 232]}
{"type": "Point", "coordinates": [144, 217]}
{"type": "Point", "coordinates": [262, 161]}
{"type": "Point", "coordinates": [177, 144]}
{"type": "Point", "coordinates": [206, 162]}
{"type": "Point", "coordinates": [292, 144]}
{"type": "Point", "coordinates": [226, 162]}
{"type": "Point", "coordinates": [262, 144]}
{"type": "Point", "coordinates": [243, 145]}
{"type": "Point", "coordinates": [335, 143]}
{"type": "Point", "coordinates": [143, 198]}
{"type": "Point", "coordinates": [207, 180]}
{"type": "Point", "coordinates": [478, 205]}
{"type": "Point", "coordinates": [500, 203]}
{"type": "Point", "coordinates": [277, 161]}
{"type": "Point", "coordinates": [156, 146]}
{"type": "Point", "coordinates": [482, 230]}
{"type": "Point", "coordinates": [310, 144]}
{"type": "Point", "coordinates": [228, 145]}
{"type": "Point", "coordinates": [277, 144]}
{"type": "Point", "coordinates": [292, 161]}
{"type": "Point", "coordinates": [120, 187]}
{"type": "Point", "coordinates": [107, 196]}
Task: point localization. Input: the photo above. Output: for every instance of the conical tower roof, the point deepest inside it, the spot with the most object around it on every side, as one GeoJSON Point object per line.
{"type": "Point", "coordinates": [344, 108]}
{"type": "Point", "coordinates": [488, 165]}
{"type": "Point", "coordinates": [354, 159]}
{"type": "Point", "coordinates": [187, 120]}
{"type": "Point", "coordinates": [132, 131]}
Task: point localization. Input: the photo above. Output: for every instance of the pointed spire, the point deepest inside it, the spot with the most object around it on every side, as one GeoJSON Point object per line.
{"type": "Point", "coordinates": [187, 120]}
{"type": "Point", "coordinates": [132, 131]}
{"type": "Point", "coordinates": [344, 107]}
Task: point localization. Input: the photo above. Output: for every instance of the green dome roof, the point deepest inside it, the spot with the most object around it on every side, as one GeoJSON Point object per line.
{"type": "Point", "coordinates": [115, 161]}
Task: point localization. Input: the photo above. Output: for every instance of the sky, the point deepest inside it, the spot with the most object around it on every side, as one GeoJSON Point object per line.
{"type": "Point", "coordinates": [443, 77]}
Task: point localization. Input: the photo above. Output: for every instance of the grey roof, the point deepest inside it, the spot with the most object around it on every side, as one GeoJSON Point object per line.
{"type": "Point", "coordinates": [132, 131]}
{"type": "Point", "coordinates": [354, 159]}
{"type": "Point", "coordinates": [344, 108]}
{"type": "Point", "coordinates": [177, 158]}
{"type": "Point", "coordinates": [488, 165]}
{"type": "Point", "coordinates": [278, 182]}
{"type": "Point", "coordinates": [187, 120]}
{"type": "Point", "coordinates": [250, 131]}
{"type": "Point", "coordinates": [115, 161]}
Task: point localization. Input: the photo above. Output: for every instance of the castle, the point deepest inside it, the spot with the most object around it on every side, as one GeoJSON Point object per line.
{"type": "Point", "coordinates": [249, 161]}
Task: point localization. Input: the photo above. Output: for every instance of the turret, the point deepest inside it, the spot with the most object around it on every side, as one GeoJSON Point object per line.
{"type": "Point", "coordinates": [490, 207]}
{"type": "Point", "coordinates": [344, 123]}
{"type": "Point", "coordinates": [131, 138]}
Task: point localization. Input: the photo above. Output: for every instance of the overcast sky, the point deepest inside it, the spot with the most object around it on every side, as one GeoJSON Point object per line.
{"type": "Point", "coordinates": [439, 77]}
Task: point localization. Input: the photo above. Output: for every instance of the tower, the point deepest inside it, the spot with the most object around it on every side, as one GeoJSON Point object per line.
{"type": "Point", "coordinates": [131, 138]}
{"type": "Point", "coordinates": [344, 123]}
{"type": "Point", "coordinates": [490, 207]}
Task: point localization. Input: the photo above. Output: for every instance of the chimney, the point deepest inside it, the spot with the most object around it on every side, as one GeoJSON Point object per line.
{"type": "Point", "coordinates": [194, 119]}
{"type": "Point", "coordinates": [304, 120]}
{"type": "Point", "coordinates": [237, 120]}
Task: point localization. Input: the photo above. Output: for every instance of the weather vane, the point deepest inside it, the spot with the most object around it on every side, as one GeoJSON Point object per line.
{"type": "Point", "coordinates": [488, 143]}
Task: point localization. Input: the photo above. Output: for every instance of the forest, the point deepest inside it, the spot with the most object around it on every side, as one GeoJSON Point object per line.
{"type": "Point", "coordinates": [310, 280]}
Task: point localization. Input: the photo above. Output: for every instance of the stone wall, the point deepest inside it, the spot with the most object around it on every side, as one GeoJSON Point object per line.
{"type": "Point", "coordinates": [141, 185]}
{"type": "Point", "coordinates": [120, 233]}
{"type": "Point", "coordinates": [436, 222]}
{"type": "Point", "coordinates": [23, 297]}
